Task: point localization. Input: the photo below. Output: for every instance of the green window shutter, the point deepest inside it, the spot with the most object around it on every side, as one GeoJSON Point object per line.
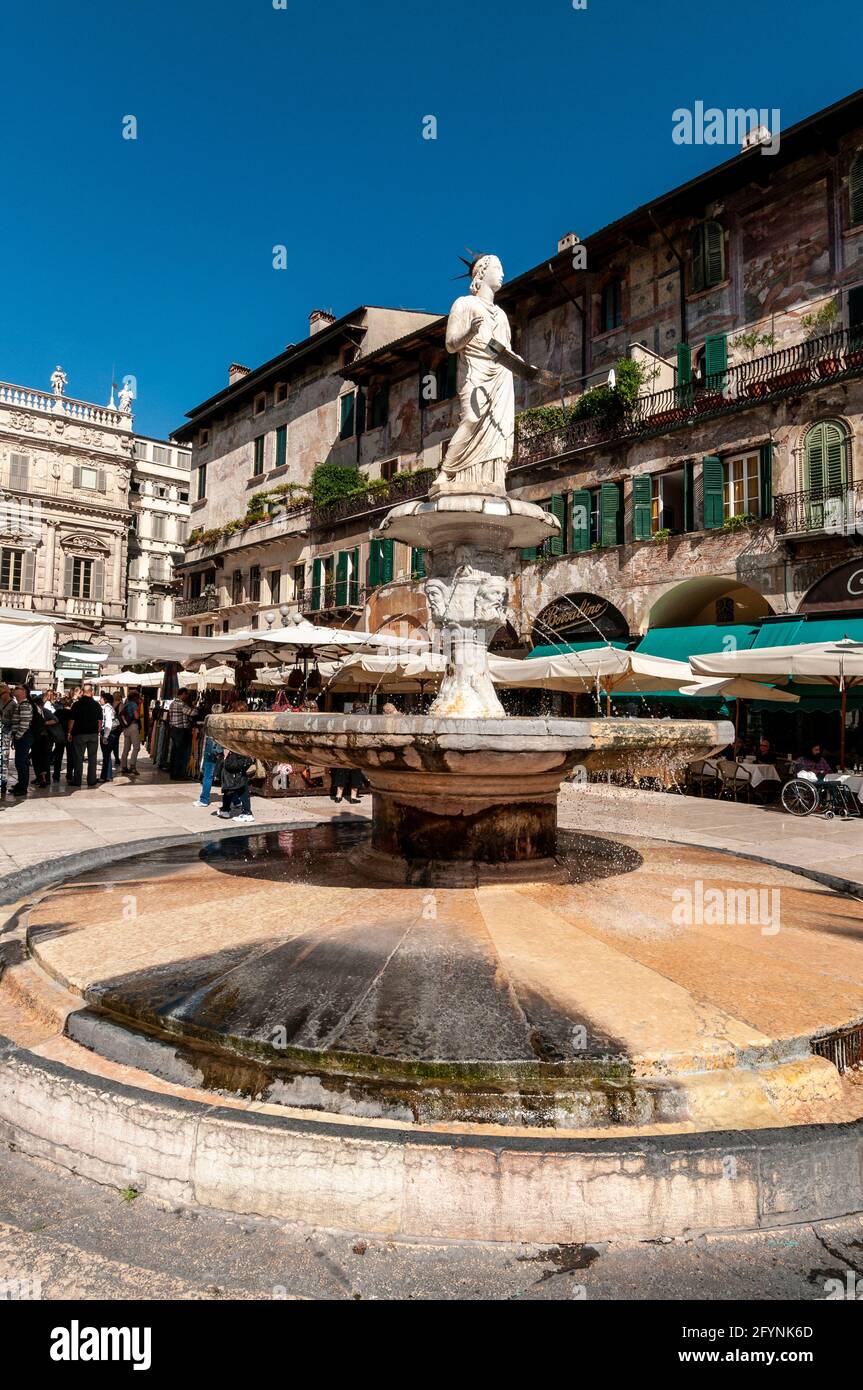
{"type": "Point", "coordinates": [716, 361]}
{"type": "Point", "coordinates": [684, 374]}
{"type": "Point", "coordinates": [609, 514]}
{"type": "Point", "coordinates": [346, 419]}
{"type": "Point", "coordinates": [834, 454]}
{"type": "Point", "coordinates": [342, 562]}
{"type": "Point", "coordinates": [29, 575]}
{"type": "Point", "coordinates": [557, 506]}
{"type": "Point", "coordinates": [281, 446]}
{"type": "Point", "coordinates": [713, 480]}
{"type": "Point", "coordinates": [642, 507]}
{"type": "Point", "coordinates": [855, 190]}
{"type": "Point", "coordinates": [689, 495]}
{"type": "Point", "coordinates": [387, 553]}
{"type": "Point", "coordinates": [528, 553]}
{"type": "Point", "coordinates": [579, 507]}
{"type": "Point", "coordinates": [697, 261]}
{"type": "Point", "coordinates": [355, 575]}
{"type": "Point", "coordinates": [766, 468]}
{"type": "Point", "coordinates": [418, 563]}
{"type": "Point", "coordinates": [374, 564]}
{"type": "Point", "coordinates": [317, 581]}
{"type": "Point", "coordinates": [714, 253]}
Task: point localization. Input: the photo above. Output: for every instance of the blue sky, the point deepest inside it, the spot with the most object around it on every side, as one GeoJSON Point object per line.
{"type": "Point", "coordinates": [302, 127]}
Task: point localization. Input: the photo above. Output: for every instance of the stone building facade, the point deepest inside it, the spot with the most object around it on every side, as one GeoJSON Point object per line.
{"type": "Point", "coordinates": [726, 493]}
{"type": "Point", "coordinates": [65, 467]}
{"type": "Point", "coordinates": [159, 502]}
{"type": "Point", "coordinates": [255, 444]}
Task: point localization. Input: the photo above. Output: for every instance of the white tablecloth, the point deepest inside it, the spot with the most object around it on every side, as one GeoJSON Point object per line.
{"type": "Point", "coordinates": [759, 772]}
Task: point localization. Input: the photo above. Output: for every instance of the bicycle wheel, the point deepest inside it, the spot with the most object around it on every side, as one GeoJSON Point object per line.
{"type": "Point", "coordinates": [799, 798]}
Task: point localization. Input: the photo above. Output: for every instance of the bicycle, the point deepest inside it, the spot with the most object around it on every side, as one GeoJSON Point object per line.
{"type": "Point", "coordinates": [807, 792]}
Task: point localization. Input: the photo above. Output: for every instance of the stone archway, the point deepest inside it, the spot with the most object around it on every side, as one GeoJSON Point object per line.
{"type": "Point", "coordinates": [706, 600]}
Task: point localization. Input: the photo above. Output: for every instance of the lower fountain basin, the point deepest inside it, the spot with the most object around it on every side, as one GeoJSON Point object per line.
{"type": "Point", "coordinates": [458, 801]}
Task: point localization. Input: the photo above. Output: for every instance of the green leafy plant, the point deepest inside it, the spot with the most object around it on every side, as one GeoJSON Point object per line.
{"type": "Point", "coordinates": [821, 319]}
{"type": "Point", "coordinates": [662, 534]}
{"type": "Point", "coordinates": [738, 522]}
{"type": "Point", "coordinates": [753, 340]}
{"type": "Point", "coordinates": [331, 482]}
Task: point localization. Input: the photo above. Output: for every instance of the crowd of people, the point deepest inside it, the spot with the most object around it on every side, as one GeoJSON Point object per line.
{"type": "Point", "coordinates": [42, 729]}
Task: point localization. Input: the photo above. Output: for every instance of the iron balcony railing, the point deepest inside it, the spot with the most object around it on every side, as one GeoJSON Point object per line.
{"type": "Point", "coordinates": [834, 511]}
{"type": "Point", "coordinates": [205, 603]}
{"type": "Point", "coordinates": [783, 373]}
{"type": "Point", "coordinates": [345, 593]}
{"type": "Point", "coordinates": [402, 488]}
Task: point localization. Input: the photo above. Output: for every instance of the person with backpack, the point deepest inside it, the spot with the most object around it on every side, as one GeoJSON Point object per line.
{"type": "Point", "coordinates": [235, 788]}
{"type": "Point", "coordinates": [211, 762]}
{"type": "Point", "coordinates": [20, 721]}
{"type": "Point", "coordinates": [55, 722]}
{"type": "Point", "coordinates": [42, 744]}
{"type": "Point", "coordinates": [130, 733]}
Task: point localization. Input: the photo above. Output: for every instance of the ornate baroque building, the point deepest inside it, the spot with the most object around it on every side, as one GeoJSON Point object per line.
{"type": "Point", "coordinates": [65, 467]}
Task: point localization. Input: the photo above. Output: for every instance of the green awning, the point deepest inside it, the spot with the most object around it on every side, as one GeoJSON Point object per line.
{"type": "Point", "coordinates": [680, 643]}
{"type": "Point", "coordinates": [830, 630]}
{"type": "Point", "coordinates": [561, 648]}
{"type": "Point", "coordinates": [783, 633]}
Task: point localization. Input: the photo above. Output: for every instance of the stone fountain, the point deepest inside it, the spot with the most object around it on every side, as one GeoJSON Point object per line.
{"type": "Point", "coordinates": [467, 794]}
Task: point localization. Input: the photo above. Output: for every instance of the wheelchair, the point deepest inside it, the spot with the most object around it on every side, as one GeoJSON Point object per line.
{"type": "Point", "coordinates": [828, 793]}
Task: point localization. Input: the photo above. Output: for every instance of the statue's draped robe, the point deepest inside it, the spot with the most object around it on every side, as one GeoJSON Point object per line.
{"type": "Point", "coordinates": [481, 448]}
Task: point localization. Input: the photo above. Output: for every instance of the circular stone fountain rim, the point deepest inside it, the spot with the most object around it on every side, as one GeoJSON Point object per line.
{"type": "Point", "coordinates": [569, 731]}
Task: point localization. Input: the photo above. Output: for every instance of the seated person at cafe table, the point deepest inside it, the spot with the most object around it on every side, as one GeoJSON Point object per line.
{"type": "Point", "coordinates": [813, 761]}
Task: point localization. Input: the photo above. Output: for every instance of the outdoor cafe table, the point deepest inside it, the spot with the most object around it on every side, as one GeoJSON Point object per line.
{"type": "Point", "coordinates": [759, 772]}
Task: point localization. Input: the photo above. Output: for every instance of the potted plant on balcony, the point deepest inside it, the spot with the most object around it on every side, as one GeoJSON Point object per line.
{"type": "Point", "coordinates": [750, 343]}
{"type": "Point", "coordinates": [819, 324]}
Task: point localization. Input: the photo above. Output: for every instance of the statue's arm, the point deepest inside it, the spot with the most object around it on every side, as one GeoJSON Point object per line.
{"type": "Point", "coordinates": [465, 320]}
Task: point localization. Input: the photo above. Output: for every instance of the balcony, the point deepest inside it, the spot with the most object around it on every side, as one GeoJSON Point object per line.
{"type": "Point", "coordinates": [776, 376]}
{"type": "Point", "coordinates": [344, 594]}
{"type": "Point", "coordinates": [25, 398]}
{"type": "Point", "coordinates": [205, 603]}
{"type": "Point", "coordinates": [13, 598]}
{"type": "Point", "coordinates": [836, 511]}
{"type": "Point", "coordinates": [401, 488]}
{"type": "Point", "coordinates": [84, 608]}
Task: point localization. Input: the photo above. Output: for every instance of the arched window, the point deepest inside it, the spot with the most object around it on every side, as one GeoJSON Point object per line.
{"type": "Point", "coordinates": [611, 306]}
{"type": "Point", "coordinates": [855, 190]}
{"type": "Point", "coordinates": [825, 454]}
{"type": "Point", "coordinates": [707, 256]}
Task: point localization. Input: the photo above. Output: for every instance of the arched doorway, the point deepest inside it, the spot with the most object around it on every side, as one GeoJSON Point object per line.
{"type": "Point", "coordinates": [708, 600]}
{"type": "Point", "coordinates": [577, 619]}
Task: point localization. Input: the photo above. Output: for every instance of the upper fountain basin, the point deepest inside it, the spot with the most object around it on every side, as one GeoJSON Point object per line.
{"type": "Point", "coordinates": [457, 517]}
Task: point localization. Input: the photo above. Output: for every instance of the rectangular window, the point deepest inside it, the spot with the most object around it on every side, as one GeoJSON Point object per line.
{"type": "Point", "coordinates": [19, 467]}
{"type": "Point", "coordinates": [742, 485]}
{"type": "Point", "coordinates": [446, 377]}
{"type": "Point", "coordinates": [195, 584]}
{"type": "Point", "coordinates": [260, 403]}
{"type": "Point", "coordinates": [204, 438]}
{"type": "Point", "coordinates": [82, 578]}
{"type": "Point", "coordinates": [88, 477]}
{"type": "Point", "coordinates": [255, 584]}
{"type": "Point", "coordinates": [152, 610]}
{"type": "Point", "coordinates": [281, 392]}
{"type": "Point", "coordinates": [389, 469]}
{"type": "Point", "coordinates": [12, 570]}
{"type": "Point", "coordinates": [258, 468]}
{"type": "Point", "coordinates": [347, 411]}
{"type": "Point", "coordinates": [158, 532]}
{"type": "Point", "coordinates": [275, 586]}
{"type": "Point", "coordinates": [208, 630]}
{"type": "Point", "coordinates": [202, 482]}
{"type": "Point", "coordinates": [161, 454]}
{"type": "Point", "coordinates": [299, 583]}
{"type": "Point", "coordinates": [237, 586]}
{"type": "Point", "coordinates": [281, 446]}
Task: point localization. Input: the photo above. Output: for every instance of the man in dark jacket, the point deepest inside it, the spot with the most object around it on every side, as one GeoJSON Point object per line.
{"type": "Point", "coordinates": [20, 725]}
{"type": "Point", "coordinates": [85, 722]}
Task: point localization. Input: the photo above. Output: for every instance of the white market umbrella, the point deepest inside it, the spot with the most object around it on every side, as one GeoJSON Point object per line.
{"type": "Point", "coordinates": [838, 664]}
{"type": "Point", "coordinates": [133, 678]}
{"type": "Point", "coordinates": [27, 646]}
{"type": "Point", "coordinates": [603, 668]}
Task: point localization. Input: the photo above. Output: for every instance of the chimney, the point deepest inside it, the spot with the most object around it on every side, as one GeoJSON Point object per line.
{"type": "Point", "coordinates": [318, 319]}
{"type": "Point", "coordinates": [569, 239]}
{"type": "Point", "coordinates": [235, 372]}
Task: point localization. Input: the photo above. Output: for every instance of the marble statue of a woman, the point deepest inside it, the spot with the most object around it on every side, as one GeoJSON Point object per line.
{"type": "Point", "coordinates": [481, 448]}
